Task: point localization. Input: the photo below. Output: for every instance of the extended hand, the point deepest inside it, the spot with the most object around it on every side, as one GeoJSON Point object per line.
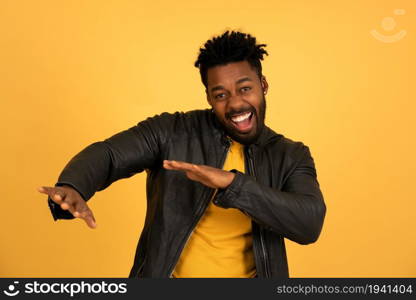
{"type": "Point", "coordinates": [71, 200]}
{"type": "Point", "coordinates": [209, 176]}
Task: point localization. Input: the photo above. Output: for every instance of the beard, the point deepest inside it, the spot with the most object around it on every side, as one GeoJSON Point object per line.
{"type": "Point", "coordinates": [251, 136]}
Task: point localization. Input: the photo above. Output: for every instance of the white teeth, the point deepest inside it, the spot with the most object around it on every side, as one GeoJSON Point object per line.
{"type": "Point", "coordinates": [241, 118]}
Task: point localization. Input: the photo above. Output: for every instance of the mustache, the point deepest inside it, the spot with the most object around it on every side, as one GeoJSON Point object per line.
{"type": "Point", "coordinates": [234, 112]}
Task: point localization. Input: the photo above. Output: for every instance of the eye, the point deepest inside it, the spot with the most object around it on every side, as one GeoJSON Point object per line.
{"type": "Point", "coordinates": [219, 96]}
{"type": "Point", "coordinates": [245, 89]}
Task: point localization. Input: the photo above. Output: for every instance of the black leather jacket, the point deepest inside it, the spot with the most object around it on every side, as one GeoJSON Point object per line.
{"type": "Point", "coordinates": [279, 191]}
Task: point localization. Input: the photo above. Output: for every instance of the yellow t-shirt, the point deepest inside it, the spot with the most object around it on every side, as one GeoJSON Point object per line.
{"type": "Point", "coordinates": [221, 243]}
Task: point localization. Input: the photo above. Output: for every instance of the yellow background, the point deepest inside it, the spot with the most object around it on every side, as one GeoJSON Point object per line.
{"type": "Point", "coordinates": [74, 72]}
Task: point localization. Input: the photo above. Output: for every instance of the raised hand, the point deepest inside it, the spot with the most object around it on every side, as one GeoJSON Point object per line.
{"type": "Point", "coordinates": [69, 199]}
{"type": "Point", "coordinates": [209, 176]}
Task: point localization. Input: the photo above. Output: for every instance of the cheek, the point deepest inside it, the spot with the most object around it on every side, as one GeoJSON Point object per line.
{"type": "Point", "coordinates": [219, 110]}
{"type": "Point", "coordinates": [255, 101]}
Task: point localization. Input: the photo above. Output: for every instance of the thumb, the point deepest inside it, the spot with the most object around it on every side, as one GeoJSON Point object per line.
{"type": "Point", "coordinates": [84, 212]}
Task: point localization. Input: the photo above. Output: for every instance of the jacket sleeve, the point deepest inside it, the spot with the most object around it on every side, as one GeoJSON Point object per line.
{"type": "Point", "coordinates": [120, 156]}
{"type": "Point", "coordinates": [296, 211]}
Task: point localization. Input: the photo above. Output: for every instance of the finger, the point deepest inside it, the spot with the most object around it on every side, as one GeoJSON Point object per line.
{"type": "Point", "coordinates": [90, 220]}
{"type": "Point", "coordinates": [42, 190]}
{"type": "Point", "coordinates": [167, 165]}
{"type": "Point", "coordinates": [84, 212]}
{"type": "Point", "coordinates": [81, 209]}
{"type": "Point", "coordinates": [56, 194]}
{"type": "Point", "coordinates": [67, 203]}
{"type": "Point", "coordinates": [46, 190]}
{"type": "Point", "coordinates": [179, 165]}
{"type": "Point", "coordinates": [66, 206]}
{"type": "Point", "coordinates": [71, 208]}
{"type": "Point", "coordinates": [186, 166]}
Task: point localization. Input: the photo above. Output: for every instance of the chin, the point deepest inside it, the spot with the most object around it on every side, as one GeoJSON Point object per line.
{"type": "Point", "coordinates": [245, 139]}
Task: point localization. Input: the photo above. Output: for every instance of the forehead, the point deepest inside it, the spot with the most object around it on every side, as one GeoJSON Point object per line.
{"type": "Point", "coordinates": [230, 73]}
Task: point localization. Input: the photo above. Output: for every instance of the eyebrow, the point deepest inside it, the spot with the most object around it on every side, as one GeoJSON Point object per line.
{"type": "Point", "coordinates": [220, 87]}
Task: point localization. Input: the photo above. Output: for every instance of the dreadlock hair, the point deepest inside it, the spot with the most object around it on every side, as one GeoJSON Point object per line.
{"type": "Point", "coordinates": [230, 47]}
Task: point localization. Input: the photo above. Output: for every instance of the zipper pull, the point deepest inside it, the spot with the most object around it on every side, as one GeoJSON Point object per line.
{"type": "Point", "coordinates": [249, 152]}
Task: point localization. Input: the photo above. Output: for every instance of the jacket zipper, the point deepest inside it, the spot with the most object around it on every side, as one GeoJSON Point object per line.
{"type": "Point", "coordinates": [200, 212]}
{"type": "Point", "coordinates": [263, 247]}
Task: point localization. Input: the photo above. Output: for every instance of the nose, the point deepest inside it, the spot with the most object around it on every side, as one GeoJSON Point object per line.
{"type": "Point", "coordinates": [236, 102]}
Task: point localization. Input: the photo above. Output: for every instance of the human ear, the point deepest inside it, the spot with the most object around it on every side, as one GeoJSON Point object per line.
{"type": "Point", "coordinates": [264, 85]}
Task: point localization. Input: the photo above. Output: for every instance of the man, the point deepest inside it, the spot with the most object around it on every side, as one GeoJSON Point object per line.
{"type": "Point", "coordinates": [223, 190]}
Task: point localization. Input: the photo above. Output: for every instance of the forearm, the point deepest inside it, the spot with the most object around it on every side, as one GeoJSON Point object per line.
{"type": "Point", "coordinates": [86, 172]}
{"type": "Point", "coordinates": [120, 156]}
{"type": "Point", "coordinates": [299, 217]}
{"type": "Point", "coordinates": [101, 163]}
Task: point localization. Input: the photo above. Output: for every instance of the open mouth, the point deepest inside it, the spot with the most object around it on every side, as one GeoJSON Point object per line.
{"type": "Point", "coordinates": [243, 122]}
